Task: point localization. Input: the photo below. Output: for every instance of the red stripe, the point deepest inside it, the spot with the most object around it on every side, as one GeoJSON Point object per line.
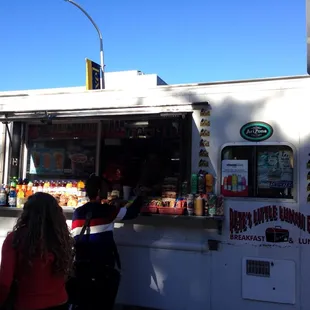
{"type": "Point", "coordinates": [98, 221]}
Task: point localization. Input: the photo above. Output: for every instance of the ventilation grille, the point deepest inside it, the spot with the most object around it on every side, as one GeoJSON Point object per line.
{"type": "Point", "coordinates": [258, 268]}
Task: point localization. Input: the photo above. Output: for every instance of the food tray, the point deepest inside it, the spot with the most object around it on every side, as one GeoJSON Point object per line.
{"type": "Point", "coordinates": [171, 211]}
{"type": "Point", "coordinates": [149, 209]}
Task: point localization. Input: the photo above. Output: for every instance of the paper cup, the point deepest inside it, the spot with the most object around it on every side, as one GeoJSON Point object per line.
{"type": "Point", "coordinates": [126, 192]}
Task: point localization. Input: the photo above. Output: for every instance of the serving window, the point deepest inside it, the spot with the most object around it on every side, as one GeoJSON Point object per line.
{"type": "Point", "coordinates": [149, 151]}
{"type": "Point", "coordinates": [61, 150]}
{"type": "Point", "coordinates": [264, 171]}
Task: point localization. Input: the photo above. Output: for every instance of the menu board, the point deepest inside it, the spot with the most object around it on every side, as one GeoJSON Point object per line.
{"type": "Point", "coordinates": [274, 169]}
{"type": "Point", "coordinates": [46, 161]}
{"type": "Point", "coordinates": [234, 178]}
{"type": "Point", "coordinates": [76, 159]}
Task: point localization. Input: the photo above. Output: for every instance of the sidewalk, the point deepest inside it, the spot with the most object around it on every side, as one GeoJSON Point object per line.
{"type": "Point", "coordinates": [122, 307]}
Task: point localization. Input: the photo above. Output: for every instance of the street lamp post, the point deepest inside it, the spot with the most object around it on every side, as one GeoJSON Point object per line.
{"type": "Point", "coordinates": [102, 84]}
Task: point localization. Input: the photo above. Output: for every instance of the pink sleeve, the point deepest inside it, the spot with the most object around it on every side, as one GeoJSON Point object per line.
{"type": "Point", "coordinates": [7, 268]}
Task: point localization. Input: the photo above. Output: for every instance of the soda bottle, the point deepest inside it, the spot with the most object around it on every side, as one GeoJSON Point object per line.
{"type": "Point", "coordinates": [35, 186]}
{"type": "Point", "coordinates": [24, 185]}
{"type": "Point", "coordinates": [12, 196]}
{"type": "Point", "coordinates": [18, 185]}
{"type": "Point", "coordinates": [20, 197]}
{"type": "Point", "coordinates": [29, 190]}
{"type": "Point", "coordinates": [2, 197]}
{"type": "Point", "coordinates": [40, 186]}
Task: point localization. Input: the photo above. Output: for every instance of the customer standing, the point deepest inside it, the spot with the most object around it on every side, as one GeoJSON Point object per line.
{"type": "Point", "coordinates": [96, 252]}
{"type": "Point", "coordinates": [37, 256]}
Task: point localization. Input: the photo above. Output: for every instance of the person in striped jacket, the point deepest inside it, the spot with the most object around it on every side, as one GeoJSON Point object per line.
{"type": "Point", "coordinates": [96, 255]}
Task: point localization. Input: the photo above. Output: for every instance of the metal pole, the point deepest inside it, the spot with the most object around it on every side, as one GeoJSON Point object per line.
{"type": "Point", "coordinates": [102, 84]}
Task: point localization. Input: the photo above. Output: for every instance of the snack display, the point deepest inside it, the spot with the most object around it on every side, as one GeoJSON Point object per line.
{"type": "Point", "coordinates": [200, 202]}
{"type": "Point", "coordinates": [68, 193]}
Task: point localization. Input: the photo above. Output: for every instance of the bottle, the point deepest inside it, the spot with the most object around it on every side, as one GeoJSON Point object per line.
{"type": "Point", "coordinates": [19, 185]}
{"type": "Point", "coordinates": [46, 187]}
{"type": "Point", "coordinates": [52, 188]}
{"type": "Point", "coordinates": [35, 186]}
{"type": "Point", "coordinates": [74, 189]}
{"type": "Point", "coordinates": [63, 186]}
{"type": "Point", "coordinates": [2, 197]}
{"type": "Point", "coordinates": [20, 199]}
{"type": "Point", "coordinates": [194, 183]}
{"type": "Point", "coordinates": [12, 196]}
{"type": "Point", "coordinates": [212, 204]}
{"type": "Point", "coordinates": [40, 186]}
{"type": "Point", "coordinates": [201, 183]}
{"type": "Point", "coordinates": [225, 184]}
{"type": "Point", "coordinates": [24, 185]}
{"type": "Point", "coordinates": [199, 206]}
{"type": "Point", "coordinates": [234, 183]}
{"type": "Point", "coordinates": [239, 186]}
{"type": "Point", "coordinates": [229, 181]}
{"type": "Point", "coordinates": [29, 190]}
{"type": "Point", "coordinates": [243, 180]}
{"type": "Point", "coordinates": [13, 182]}
{"type": "Point", "coordinates": [209, 183]}
{"type": "Point", "coordinates": [80, 187]}
{"type": "Point", "coordinates": [190, 204]}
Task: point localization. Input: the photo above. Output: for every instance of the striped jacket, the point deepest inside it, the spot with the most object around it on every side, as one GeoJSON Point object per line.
{"type": "Point", "coordinates": [97, 245]}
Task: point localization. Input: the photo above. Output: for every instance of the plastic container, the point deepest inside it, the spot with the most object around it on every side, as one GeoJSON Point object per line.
{"type": "Point", "coordinates": [149, 209]}
{"type": "Point", "coordinates": [171, 211]}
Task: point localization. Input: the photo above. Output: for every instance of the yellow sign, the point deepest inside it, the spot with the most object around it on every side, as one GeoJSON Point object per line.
{"type": "Point", "coordinates": [92, 75]}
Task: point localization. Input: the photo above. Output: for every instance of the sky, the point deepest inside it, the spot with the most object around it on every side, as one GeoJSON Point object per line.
{"type": "Point", "coordinates": [44, 43]}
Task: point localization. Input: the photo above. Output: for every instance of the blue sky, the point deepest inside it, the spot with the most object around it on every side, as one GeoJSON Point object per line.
{"type": "Point", "coordinates": [44, 43]}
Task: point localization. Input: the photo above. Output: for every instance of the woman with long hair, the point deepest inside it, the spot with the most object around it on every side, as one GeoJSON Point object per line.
{"type": "Point", "coordinates": [37, 256]}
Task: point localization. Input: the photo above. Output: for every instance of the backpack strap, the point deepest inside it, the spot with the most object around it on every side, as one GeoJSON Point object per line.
{"type": "Point", "coordinates": [86, 225]}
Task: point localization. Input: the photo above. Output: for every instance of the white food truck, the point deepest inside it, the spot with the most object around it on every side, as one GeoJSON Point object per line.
{"type": "Point", "coordinates": [252, 136]}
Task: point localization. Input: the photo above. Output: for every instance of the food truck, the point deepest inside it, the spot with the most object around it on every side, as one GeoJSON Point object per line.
{"type": "Point", "coordinates": [230, 228]}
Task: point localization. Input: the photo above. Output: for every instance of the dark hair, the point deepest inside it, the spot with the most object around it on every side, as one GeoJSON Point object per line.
{"type": "Point", "coordinates": [42, 229]}
{"type": "Point", "coordinates": [93, 185]}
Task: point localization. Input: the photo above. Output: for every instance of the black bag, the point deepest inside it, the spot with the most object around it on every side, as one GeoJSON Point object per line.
{"type": "Point", "coordinates": [84, 283]}
{"type": "Point", "coordinates": [74, 286]}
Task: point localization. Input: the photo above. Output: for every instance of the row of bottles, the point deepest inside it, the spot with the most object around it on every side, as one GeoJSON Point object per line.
{"type": "Point", "coordinates": [18, 191]}
{"type": "Point", "coordinates": [202, 183]}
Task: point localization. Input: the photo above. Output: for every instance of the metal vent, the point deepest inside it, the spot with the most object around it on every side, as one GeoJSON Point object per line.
{"type": "Point", "coordinates": [258, 268]}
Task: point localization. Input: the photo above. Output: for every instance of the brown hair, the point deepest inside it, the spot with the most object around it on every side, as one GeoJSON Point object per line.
{"type": "Point", "coordinates": [42, 229]}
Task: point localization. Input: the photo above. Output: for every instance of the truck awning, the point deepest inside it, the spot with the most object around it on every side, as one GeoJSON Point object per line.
{"type": "Point", "coordinates": [9, 116]}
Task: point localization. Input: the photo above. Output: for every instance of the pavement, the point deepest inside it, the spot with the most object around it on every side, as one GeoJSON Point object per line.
{"type": "Point", "coordinates": [123, 307]}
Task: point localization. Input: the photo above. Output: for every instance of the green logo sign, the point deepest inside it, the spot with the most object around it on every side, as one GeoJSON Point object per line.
{"type": "Point", "coordinates": [256, 131]}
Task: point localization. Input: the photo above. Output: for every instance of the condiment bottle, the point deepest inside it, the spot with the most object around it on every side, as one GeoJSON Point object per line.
{"type": "Point", "coordinates": [199, 206]}
{"type": "Point", "coordinates": [209, 183]}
